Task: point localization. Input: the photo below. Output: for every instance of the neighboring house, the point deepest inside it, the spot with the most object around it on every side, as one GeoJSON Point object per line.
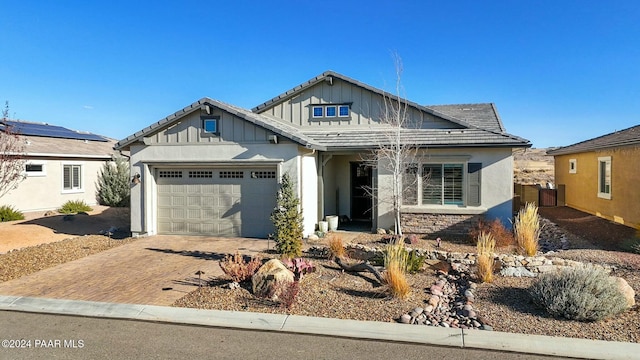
{"type": "Point", "coordinates": [600, 175]}
{"type": "Point", "coordinates": [213, 168]}
{"type": "Point", "coordinates": [60, 165]}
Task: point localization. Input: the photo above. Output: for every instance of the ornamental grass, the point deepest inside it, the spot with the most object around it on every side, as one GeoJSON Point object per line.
{"type": "Point", "coordinates": [526, 229]}
{"type": "Point", "coordinates": [485, 247]}
{"type": "Point", "coordinates": [395, 263]}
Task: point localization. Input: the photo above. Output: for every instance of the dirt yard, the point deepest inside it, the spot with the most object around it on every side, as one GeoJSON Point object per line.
{"type": "Point", "coordinates": [39, 229]}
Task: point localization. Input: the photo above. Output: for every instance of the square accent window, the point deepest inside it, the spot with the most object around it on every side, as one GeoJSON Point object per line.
{"type": "Point", "coordinates": [210, 125]}
{"type": "Point", "coordinates": [318, 111]}
{"type": "Point", "coordinates": [331, 111]}
{"type": "Point", "coordinates": [604, 177]}
{"type": "Point", "coordinates": [72, 177]}
{"type": "Point", "coordinates": [573, 166]}
{"type": "Point", "coordinates": [343, 110]}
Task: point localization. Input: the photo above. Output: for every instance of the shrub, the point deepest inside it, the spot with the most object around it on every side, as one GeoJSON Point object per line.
{"type": "Point", "coordinates": [238, 269]}
{"type": "Point", "coordinates": [299, 267]}
{"type": "Point", "coordinates": [485, 247]}
{"type": "Point", "coordinates": [285, 293]}
{"type": "Point", "coordinates": [287, 220]}
{"type": "Point", "coordinates": [503, 237]}
{"type": "Point", "coordinates": [74, 207]}
{"type": "Point", "coordinates": [113, 183]}
{"type": "Point", "coordinates": [631, 245]}
{"type": "Point", "coordinates": [395, 263]}
{"type": "Point", "coordinates": [336, 246]}
{"type": "Point", "coordinates": [8, 213]}
{"type": "Point", "coordinates": [585, 294]}
{"type": "Point", "coordinates": [526, 228]}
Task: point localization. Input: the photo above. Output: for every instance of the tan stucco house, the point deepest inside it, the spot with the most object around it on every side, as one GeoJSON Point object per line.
{"type": "Point", "coordinates": [60, 165]}
{"type": "Point", "coordinates": [213, 168]}
{"type": "Point", "coordinates": [600, 175]}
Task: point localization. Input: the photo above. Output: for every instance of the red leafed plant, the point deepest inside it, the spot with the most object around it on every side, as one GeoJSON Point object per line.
{"type": "Point", "coordinates": [238, 268]}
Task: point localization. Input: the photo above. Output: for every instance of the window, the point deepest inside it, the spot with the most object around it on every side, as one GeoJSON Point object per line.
{"type": "Point", "coordinates": [170, 173]}
{"type": "Point", "coordinates": [72, 177]}
{"type": "Point", "coordinates": [200, 174]}
{"type": "Point", "coordinates": [441, 184]}
{"type": "Point", "coordinates": [35, 169]}
{"type": "Point", "coordinates": [604, 177]}
{"type": "Point", "coordinates": [318, 111]}
{"type": "Point", "coordinates": [210, 125]}
{"type": "Point", "coordinates": [343, 110]}
{"type": "Point", "coordinates": [573, 166]}
{"type": "Point", "coordinates": [263, 174]}
{"type": "Point", "coordinates": [330, 111]}
{"type": "Point", "coordinates": [231, 174]}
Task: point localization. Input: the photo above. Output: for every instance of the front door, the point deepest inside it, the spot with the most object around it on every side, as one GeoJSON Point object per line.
{"type": "Point", "coordinates": [361, 188]}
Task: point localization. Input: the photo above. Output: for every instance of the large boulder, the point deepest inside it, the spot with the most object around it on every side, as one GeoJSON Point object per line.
{"type": "Point", "coordinates": [627, 291]}
{"type": "Point", "coordinates": [270, 274]}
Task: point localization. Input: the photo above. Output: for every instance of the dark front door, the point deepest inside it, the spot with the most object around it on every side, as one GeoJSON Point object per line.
{"type": "Point", "coordinates": [361, 187]}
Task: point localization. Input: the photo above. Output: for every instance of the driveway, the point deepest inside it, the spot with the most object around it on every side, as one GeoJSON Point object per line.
{"type": "Point", "coordinates": [156, 270]}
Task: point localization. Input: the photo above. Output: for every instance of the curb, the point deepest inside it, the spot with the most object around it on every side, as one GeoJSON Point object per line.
{"type": "Point", "coordinates": [372, 330]}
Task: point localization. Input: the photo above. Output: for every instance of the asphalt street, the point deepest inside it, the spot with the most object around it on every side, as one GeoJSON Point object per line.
{"type": "Point", "coordinates": [40, 336]}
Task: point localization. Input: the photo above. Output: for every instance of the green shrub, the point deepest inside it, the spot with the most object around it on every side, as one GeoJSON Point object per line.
{"type": "Point", "coordinates": [631, 245]}
{"type": "Point", "coordinates": [287, 220]}
{"type": "Point", "coordinates": [585, 294]}
{"type": "Point", "coordinates": [8, 213]}
{"type": "Point", "coordinates": [113, 184]}
{"type": "Point", "coordinates": [74, 207]}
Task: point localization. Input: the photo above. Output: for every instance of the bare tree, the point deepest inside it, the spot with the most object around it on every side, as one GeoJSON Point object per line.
{"type": "Point", "coordinates": [11, 155]}
{"type": "Point", "coordinates": [395, 155]}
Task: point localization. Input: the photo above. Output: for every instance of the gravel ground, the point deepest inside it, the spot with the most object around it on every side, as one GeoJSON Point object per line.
{"type": "Point", "coordinates": [18, 263]}
{"type": "Point", "coordinates": [503, 304]}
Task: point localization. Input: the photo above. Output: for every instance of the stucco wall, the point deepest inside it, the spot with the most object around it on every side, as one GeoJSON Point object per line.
{"type": "Point", "coordinates": [45, 192]}
{"type": "Point", "coordinates": [496, 186]}
{"type": "Point", "coordinates": [581, 187]}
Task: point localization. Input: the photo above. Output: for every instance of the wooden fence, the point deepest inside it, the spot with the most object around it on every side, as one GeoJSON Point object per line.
{"type": "Point", "coordinates": [541, 197]}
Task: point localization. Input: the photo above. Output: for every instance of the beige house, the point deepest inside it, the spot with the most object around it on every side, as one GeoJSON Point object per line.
{"type": "Point", "coordinates": [213, 168]}
{"type": "Point", "coordinates": [60, 165]}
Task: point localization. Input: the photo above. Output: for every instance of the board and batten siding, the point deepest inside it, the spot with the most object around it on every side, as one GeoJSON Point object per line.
{"type": "Point", "coordinates": [190, 130]}
{"type": "Point", "coordinates": [366, 110]}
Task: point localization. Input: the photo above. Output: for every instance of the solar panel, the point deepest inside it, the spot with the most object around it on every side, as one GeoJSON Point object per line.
{"type": "Point", "coordinates": [46, 130]}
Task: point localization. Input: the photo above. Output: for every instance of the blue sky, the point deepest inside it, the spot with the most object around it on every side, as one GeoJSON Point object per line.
{"type": "Point", "coordinates": [559, 71]}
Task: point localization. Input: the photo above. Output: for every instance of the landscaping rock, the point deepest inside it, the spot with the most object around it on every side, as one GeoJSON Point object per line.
{"type": "Point", "coordinates": [627, 291]}
{"type": "Point", "coordinates": [269, 274]}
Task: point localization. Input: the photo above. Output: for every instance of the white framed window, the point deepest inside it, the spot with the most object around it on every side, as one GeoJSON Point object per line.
{"type": "Point", "coordinates": [72, 178]}
{"type": "Point", "coordinates": [35, 168]}
{"type": "Point", "coordinates": [317, 111]}
{"type": "Point", "coordinates": [434, 184]}
{"type": "Point", "coordinates": [343, 111]}
{"type": "Point", "coordinates": [573, 166]}
{"type": "Point", "coordinates": [210, 125]}
{"type": "Point", "coordinates": [331, 111]}
{"type": "Point", "coordinates": [604, 177]}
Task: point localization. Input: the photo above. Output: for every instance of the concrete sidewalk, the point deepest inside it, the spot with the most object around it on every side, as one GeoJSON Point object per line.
{"type": "Point", "coordinates": [533, 344]}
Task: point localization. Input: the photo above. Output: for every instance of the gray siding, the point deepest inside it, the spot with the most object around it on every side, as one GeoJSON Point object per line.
{"type": "Point", "coordinates": [366, 108]}
{"type": "Point", "coordinates": [189, 130]}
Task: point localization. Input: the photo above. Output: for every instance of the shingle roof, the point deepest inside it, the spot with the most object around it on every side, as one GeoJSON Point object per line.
{"type": "Point", "coordinates": [371, 138]}
{"type": "Point", "coordinates": [627, 137]}
{"type": "Point", "coordinates": [484, 116]}
{"type": "Point", "coordinates": [270, 123]}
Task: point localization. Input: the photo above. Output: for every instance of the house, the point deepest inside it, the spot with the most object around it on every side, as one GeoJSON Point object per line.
{"type": "Point", "coordinates": [213, 168]}
{"type": "Point", "coordinates": [60, 165]}
{"type": "Point", "coordinates": [600, 175]}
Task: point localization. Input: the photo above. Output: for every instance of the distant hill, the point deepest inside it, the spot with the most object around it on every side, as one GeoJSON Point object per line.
{"type": "Point", "coordinates": [533, 166]}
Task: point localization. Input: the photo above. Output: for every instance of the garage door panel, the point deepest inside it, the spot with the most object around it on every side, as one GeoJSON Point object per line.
{"type": "Point", "coordinates": [228, 202]}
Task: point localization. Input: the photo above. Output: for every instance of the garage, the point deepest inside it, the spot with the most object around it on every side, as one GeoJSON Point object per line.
{"type": "Point", "coordinates": [216, 202]}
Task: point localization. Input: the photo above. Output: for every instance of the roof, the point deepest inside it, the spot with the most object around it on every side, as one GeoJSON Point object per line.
{"type": "Point", "coordinates": [627, 137]}
{"type": "Point", "coordinates": [484, 115]}
{"type": "Point", "coordinates": [270, 123]}
{"type": "Point", "coordinates": [60, 142]}
{"type": "Point", "coordinates": [329, 75]}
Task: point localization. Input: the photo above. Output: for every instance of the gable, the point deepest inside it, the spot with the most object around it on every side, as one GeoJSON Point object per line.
{"type": "Point", "coordinates": [366, 106]}
{"type": "Point", "coordinates": [190, 129]}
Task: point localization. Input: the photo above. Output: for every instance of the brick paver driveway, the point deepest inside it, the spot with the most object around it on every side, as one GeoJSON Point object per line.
{"type": "Point", "coordinates": [156, 270]}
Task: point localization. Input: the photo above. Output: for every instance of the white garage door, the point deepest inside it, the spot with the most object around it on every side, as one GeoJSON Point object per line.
{"type": "Point", "coordinates": [216, 202]}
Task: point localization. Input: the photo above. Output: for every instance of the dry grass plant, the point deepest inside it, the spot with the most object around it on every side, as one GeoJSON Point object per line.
{"type": "Point", "coordinates": [395, 263]}
{"type": "Point", "coordinates": [238, 269]}
{"type": "Point", "coordinates": [486, 245]}
{"type": "Point", "coordinates": [526, 229]}
{"type": "Point", "coordinates": [503, 236]}
{"type": "Point", "coordinates": [336, 246]}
